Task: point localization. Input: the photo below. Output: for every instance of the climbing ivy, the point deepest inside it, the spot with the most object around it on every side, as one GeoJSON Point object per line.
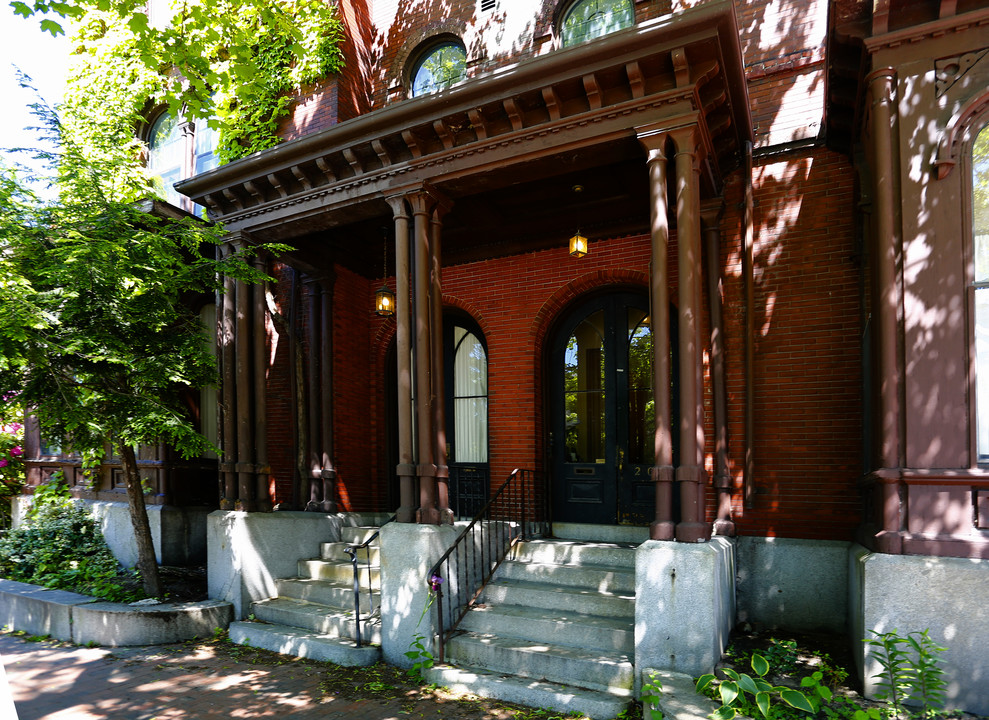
{"type": "Point", "coordinates": [232, 63]}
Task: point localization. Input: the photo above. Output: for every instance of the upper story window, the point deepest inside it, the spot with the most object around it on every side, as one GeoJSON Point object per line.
{"type": "Point", "coordinates": [176, 153]}
{"type": "Point", "coordinates": [589, 19]}
{"type": "Point", "coordinates": [439, 67]}
{"type": "Point", "coordinates": [980, 236]}
{"type": "Point", "coordinates": [166, 148]}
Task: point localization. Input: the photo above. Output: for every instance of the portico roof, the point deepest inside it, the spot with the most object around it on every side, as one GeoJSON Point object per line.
{"type": "Point", "coordinates": [548, 117]}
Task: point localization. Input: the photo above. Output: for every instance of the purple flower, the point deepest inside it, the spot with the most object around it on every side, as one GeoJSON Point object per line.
{"type": "Point", "coordinates": [16, 451]}
{"type": "Point", "coordinates": [434, 582]}
{"type": "Point", "coordinates": [3, 462]}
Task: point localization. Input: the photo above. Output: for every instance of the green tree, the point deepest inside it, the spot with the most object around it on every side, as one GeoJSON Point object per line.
{"type": "Point", "coordinates": [97, 336]}
{"type": "Point", "coordinates": [232, 63]}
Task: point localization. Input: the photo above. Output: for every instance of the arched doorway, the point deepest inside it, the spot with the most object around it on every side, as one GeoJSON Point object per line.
{"type": "Point", "coordinates": [602, 411]}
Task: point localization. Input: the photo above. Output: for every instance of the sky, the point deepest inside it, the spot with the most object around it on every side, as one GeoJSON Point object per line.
{"type": "Point", "coordinates": [40, 56]}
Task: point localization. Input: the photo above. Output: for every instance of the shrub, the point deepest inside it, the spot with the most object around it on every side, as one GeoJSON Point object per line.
{"type": "Point", "coordinates": [11, 458]}
{"type": "Point", "coordinates": [60, 546]}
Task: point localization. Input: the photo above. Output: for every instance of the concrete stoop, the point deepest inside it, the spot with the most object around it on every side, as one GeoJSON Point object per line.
{"type": "Point", "coordinates": [313, 614]}
{"type": "Point", "coordinates": [554, 628]}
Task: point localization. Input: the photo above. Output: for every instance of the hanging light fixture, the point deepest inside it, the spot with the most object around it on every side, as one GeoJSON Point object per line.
{"type": "Point", "coordinates": [384, 299]}
{"type": "Point", "coordinates": [578, 243]}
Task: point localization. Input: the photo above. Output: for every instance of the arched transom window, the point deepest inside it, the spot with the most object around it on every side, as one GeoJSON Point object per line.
{"type": "Point", "coordinates": [440, 67]}
{"type": "Point", "coordinates": [589, 19]}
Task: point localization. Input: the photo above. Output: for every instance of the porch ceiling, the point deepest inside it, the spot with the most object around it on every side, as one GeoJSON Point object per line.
{"type": "Point", "coordinates": [506, 148]}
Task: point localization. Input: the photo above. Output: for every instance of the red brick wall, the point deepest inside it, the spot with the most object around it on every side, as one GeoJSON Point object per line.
{"type": "Point", "coordinates": [281, 448]}
{"type": "Point", "coordinates": [353, 430]}
{"type": "Point", "coordinates": [808, 377]}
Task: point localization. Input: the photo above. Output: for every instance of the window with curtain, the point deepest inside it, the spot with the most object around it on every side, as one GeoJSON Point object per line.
{"type": "Point", "coordinates": [589, 19]}
{"type": "Point", "coordinates": [980, 235]}
{"type": "Point", "coordinates": [470, 398]}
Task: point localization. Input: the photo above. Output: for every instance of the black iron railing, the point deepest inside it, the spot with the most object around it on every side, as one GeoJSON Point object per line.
{"type": "Point", "coordinates": [354, 552]}
{"type": "Point", "coordinates": [513, 513]}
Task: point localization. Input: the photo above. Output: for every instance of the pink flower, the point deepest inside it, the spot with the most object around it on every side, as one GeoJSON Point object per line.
{"type": "Point", "coordinates": [3, 463]}
{"type": "Point", "coordinates": [16, 451]}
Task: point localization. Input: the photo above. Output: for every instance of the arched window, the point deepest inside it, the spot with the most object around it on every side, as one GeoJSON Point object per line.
{"type": "Point", "coordinates": [169, 154]}
{"type": "Point", "coordinates": [166, 153]}
{"type": "Point", "coordinates": [589, 19]}
{"type": "Point", "coordinates": [439, 67]}
{"type": "Point", "coordinates": [466, 370]}
{"type": "Point", "coordinates": [470, 397]}
{"type": "Point", "coordinates": [980, 238]}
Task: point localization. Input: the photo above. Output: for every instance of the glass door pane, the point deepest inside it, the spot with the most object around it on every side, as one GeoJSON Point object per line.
{"type": "Point", "coordinates": [584, 390]}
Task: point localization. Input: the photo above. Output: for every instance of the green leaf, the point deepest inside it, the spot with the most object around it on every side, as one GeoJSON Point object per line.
{"type": "Point", "coordinates": [796, 699]}
{"type": "Point", "coordinates": [762, 702]}
{"type": "Point", "coordinates": [730, 673]}
{"type": "Point", "coordinates": [22, 9]}
{"type": "Point", "coordinates": [703, 682]}
{"type": "Point", "coordinates": [725, 712]}
{"type": "Point", "coordinates": [760, 664]}
{"type": "Point", "coordinates": [824, 692]}
{"type": "Point", "coordinates": [50, 26]}
{"type": "Point", "coordinates": [747, 684]}
{"type": "Point", "coordinates": [138, 23]}
{"type": "Point", "coordinates": [729, 691]}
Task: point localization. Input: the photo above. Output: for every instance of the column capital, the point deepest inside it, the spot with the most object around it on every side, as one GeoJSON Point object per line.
{"type": "Point", "coordinates": [686, 140]}
{"type": "Point", "coordinates": [235, 241]}
{"type": "Point", "coordinates": [653, 138]}
{"type": "Point", "coordinates": [711, 212]}
{"type": "Point", "coordinates": [399, 208]}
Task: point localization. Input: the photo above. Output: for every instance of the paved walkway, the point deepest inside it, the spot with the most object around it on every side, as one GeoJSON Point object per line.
{"type": "Point", "coordinates": [53, 681]}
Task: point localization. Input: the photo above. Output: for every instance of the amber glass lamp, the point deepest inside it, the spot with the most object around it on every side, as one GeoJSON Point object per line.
{"type": "Point", "coordinates": [384, 299]}
{"type": "Point", "coordinates": [578, 245]}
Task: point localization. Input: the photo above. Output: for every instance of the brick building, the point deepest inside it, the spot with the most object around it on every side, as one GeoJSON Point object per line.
{"type": "Point", "coordinates": [763, 369]}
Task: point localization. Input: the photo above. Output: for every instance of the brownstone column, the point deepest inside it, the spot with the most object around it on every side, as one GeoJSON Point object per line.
{"type": "Point", "coordinates": [260, 331]}
{"type": "Point", "coordinates": [226, 328]}
{"type": "Point", "coordinates": [711, 218]}
{"type": "Point", "coordinates": [888, 308]}
{"type": "Point", "coordinates": [662, 527]}
{"type": "Point", "coordinates": [690, 474]}
{"type": "Point", "coordinates": [422, 204]}
{"type": "Point", "coordinates": [403, 339]}
{"type": "Point", "coordinates": [436, 337]}
{"type": "Point", "coordinates": [244, 352]}
{"type": "Point", "coordinates": [314, 396]}
{"type": "Point", "coordinates": [327, 470]}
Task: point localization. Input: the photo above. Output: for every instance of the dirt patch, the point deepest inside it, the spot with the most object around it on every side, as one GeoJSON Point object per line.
{"type": "Point", "coordinates": [181, 584]}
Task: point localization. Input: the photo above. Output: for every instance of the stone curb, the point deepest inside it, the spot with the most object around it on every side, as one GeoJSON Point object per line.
{"type": "Point", "coordinates": [679, 701]}
{"type": "Point", "coordinates": [87, 620]}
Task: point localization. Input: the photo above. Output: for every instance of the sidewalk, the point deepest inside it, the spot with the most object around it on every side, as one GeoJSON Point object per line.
{"type": "Point", "coordinates": [55, 681]}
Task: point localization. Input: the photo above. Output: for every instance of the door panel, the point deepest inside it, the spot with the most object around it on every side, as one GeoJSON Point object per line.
{"type": "Point", "coordinates": [602, 412]}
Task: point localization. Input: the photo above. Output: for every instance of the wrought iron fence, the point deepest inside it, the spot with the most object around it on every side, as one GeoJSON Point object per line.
{"type": "Point", "coordinates": [355, 551]}
{"type": "Point", "coordinates": [515, 512]}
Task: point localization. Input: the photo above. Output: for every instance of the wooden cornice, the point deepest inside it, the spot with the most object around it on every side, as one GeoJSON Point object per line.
{"type": "Point", "coordinates": [683, 65]}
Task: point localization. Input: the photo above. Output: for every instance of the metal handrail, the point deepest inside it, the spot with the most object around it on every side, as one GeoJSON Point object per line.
{"type": "Point", "coordinates": [480, 548]}
{"type": "Point", "coordinates": [352, 550]}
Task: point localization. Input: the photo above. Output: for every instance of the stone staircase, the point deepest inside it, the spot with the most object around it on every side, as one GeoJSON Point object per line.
{"type": "Point", "coordinates": [313, 614]}
{"type": "Point", "coordinates": [554, 628]}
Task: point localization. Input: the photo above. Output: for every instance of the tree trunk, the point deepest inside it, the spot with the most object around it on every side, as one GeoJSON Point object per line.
{"type": "Point", "coordinates": [147, 564]}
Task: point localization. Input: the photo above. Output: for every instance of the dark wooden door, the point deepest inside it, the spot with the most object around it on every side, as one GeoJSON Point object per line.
{"type": "Point", "coordinates": [602, 414]}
